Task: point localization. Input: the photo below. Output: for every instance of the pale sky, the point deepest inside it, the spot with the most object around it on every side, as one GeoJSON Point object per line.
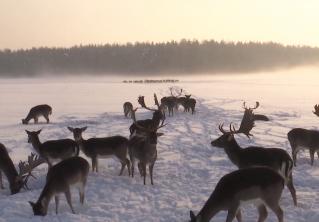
{"type": "Point", "coordinates": [34, 23]}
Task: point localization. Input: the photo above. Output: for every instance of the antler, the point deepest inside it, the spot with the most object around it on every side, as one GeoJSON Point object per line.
{"type": "Point", "coordinates": [25, 168]}
{"type": "Point", "coordinates": [171, 90]}
{"type": "Point", "coordinates": [142, 103]}
{"type": "Point", "coordinates": [256, 106]}
{"type": "Point", "coordinates": [316, 112]}
{"type": "Point", "coordinates": [220, 127]}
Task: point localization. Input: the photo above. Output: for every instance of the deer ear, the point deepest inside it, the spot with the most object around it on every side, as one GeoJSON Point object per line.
{"type": "Point", "coordinates": [84, 128]}
{"type": "Point", "coordinates": [70, 128]}
{"type": "Point", "coordinates": [28, 132]}
{"type": "Point", "coordinates": [39, 131]}
{"type": "Point", "coordinates": [192, 215]}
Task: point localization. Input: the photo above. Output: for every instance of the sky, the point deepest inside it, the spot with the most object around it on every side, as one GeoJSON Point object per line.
{"type": "Point", "coordinates": [65, 23]}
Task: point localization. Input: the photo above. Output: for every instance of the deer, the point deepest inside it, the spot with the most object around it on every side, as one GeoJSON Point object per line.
{"type": "Point", "coordinates": [127, 107]}
{"type": "Point", "coordinates": [260, 185]}
{"type": "Point", "coordinates": [300, 139]}
{"type": "Point", "coordinates": [60, 178]}
{"type": "Point", "coordinates": [37, 111]}
{"type": "Point", "coordinates": [158, 115]}
{"type": "Point", "coordinates": [143, 148]}
{"type": "Point", "coordinates": [17, 180]}
{"type": "Point", "coordinates": [105, 147]}
{"type": "Point", "coordinates": [316, 112]}
{"type": "Point", "coordinates": [170, 102]}
{"type": "Point", "coordinates": [275, 158]}
{"type": "Point", "coordinates": [189, 104]}
{"type": "Point", "coordinates": [53, 151]}
{"type": "Point", "coordinates": [249, 110]}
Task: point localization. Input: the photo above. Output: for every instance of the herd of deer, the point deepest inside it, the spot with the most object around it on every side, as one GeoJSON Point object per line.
{"type": "Point", "coordinates": [262, 174]}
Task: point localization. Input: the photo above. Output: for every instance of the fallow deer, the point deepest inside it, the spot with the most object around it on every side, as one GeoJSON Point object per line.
{"type": "Point", "coordinates": [105, 147]}
{"type": "Point", "coordinates": [127, 108]}
{"type": "Point", "coordinates": [53, 151]}
{"type": "Point", "coordinates": [275, 158]}
{"type": "Point", "coordinates": [16, 180]}
{"type": "Point", "coordinates": [158, 115]}
{"type": "Point", "coordinates": [37, 111]}
{"type": "Point", "coordinates": [170, 102]}
{"type": "Point", "coordinates": [260, 185]}
{"type": "Point", "coordinates": [60, 178]}
{"type": "Point", "coordinates": [300, 138]}
{"type": "Point", "coordinates": [143, 148]}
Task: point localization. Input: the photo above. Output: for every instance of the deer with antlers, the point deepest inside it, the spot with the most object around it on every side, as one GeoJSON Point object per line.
{"type": "Point", "coordinates": [15, 179]}
{"type": "Point", "coordinates": [158, 115]}
{"type": "Point", "coordinates": [275, 158]}
{"type": "Point", "coordinates": [171, 102]}
{"type": "Point", "coordinates": [143, 148]}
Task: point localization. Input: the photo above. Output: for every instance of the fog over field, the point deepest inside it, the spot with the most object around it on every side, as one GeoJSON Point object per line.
{"type": "Point", "coordinates": [187, 168]}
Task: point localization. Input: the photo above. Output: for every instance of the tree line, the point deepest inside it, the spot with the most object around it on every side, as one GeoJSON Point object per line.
{"type": "Point", "coordinates": [185, 56]}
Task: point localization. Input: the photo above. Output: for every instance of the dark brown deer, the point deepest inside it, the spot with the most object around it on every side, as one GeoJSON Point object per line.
{"type": "Point", "coordinates": [16, 180]}
{"type": "Point", "coordinates": [158, 115]}
{"type": "Point", "coordinates": [37, 111]}
{"type": "Point", "coordinates": [189, 104]}
{"type": "Point", "coordinates": [300, 139]}
{"type": "Point", "coordinates": [260, 185]}
{"type": "Point", "coordinates": [105, 147]}
{"type": "Point", "coordinates": [275, 158]}
{"type": "Point", "coordinates": [316, 112]}
{"type": "Point", "coordinates": [53, 151]}
{"type": "Point", "coordinates": [127, 108]}
{"type": "Point", "coordinates": [170, 102]}
{"type": "Point", "coordinates": [143, 148]}
{"type": "Point", "coordinates": [60, 178]}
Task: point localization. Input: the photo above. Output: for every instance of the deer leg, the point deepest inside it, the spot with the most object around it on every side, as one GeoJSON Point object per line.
{"type": "Point", "coordinates": [81, 191]}
{"type": "Point", "coordinates": [68, 199]}
{"type": "Point", "coordinates": [262, 213]}
{"type": "Point", "coordinates": [292, 189]}
{"type": "Point", "coordinates": [56, 198]}
{"type": "Point", "coordinates": [143, 165]}
{"type": "Point", "coordinates": [140, 168]}
{"type": "Point", "coordinates": [1, 183]}
{"type": "Point", "coordinates": [151, 172]}
{"type": "Point", "coordinates": [294, 156]}
{"type": "Point", "coordinates": [35, 120]}
{"type": "Point", "coordinates": [278, 211]}
{"type": "Point", "coordinates": [132, 166]}
{"type": "Point", "coordinates": [232, 211]}
{"type": "Point", "coordinates": [238, 215]}
{"type": "Point", "coordinates": [312, 156]}
{"type": "Point", "coordinates": [94, 164]}
{"type": "Point", "coordinates": [46, 117]}
{"type": "Point", "coordinates": [128, 164]}
{"type": "Point", "coordinates": [123, 166]}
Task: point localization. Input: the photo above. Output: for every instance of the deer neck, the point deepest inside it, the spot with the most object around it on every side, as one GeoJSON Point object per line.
{"type": "Point", "coordinates": [36, 143]}
{"type": "Point", "coordinates": [46, 196]}
{"type": "Point", "coordinates": [233, 151]}
{"type": "Point", "coordinates": [209, 210]}
{"type": "Point", "coordinates": [9, 170]}
{"type": "Point", "coordinates": [81, 143]}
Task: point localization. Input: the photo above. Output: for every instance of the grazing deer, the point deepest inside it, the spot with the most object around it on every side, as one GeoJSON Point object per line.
{"type": "Point", "coordinates": [15, 179]}
{"type": "Point", "coordinates": [260, 185]}
{"type": "Point", "coordinates": [67, 173]}
{"type": "Point", "coordinates": [303, 139]}
{"type": "Point", "coordinates": [37, 111]}
{"type": "Point", "coordinates": [275, 158]}
{"type": "Point", "coordinates": [127, 107]}
{"type": "Point", "coordinates": [53, 151]}
{"type": "Point", "coordinates": [143, 148]}
{"type": "Point", "coordinates": [189, 104]}
{"type": "Point", "coordinates": [103, 148]}
{"type": "Point", "coordinates": [158, 115]}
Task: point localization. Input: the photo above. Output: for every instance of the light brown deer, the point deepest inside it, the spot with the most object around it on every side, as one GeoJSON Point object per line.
{"type": "Point", "coordinates": [16, 180]}
{"type": "Point", "coordinates": [105, 147]}
{"type": "Point", "coordinates": [60, 178]}
{"type": "Point", "coordinates": [37, 111]}
{"type": "Point", "coordinates": [260, 185]}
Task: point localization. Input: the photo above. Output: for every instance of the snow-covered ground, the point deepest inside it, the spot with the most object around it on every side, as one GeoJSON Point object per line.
{"type": "Point", "coordinates": [187, 168]}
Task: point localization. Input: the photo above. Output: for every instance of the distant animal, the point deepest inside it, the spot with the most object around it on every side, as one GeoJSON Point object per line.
{"type": "Point", "coordinates": [53, 151]}
{"type": "Point", "coordinates": [170, 102]}
{"type": "Point", "coordinates": [127, 107]}
{"type": "Point", "coordinates": [60, 178]}
{"type": "Point", "coordinates": [300, 139]}
{"type": "Point", "coordinates": [105, 147]}
{"type": "Point", "coordinates": [189, 104]}
{"type": "Point", "coordinates": [16, 180]}
{"type": "Point", "coordinates": [37, 111]}
{"type": "Point", "coordinates": [275, 158]}
{"type": "Point", "coordinates": [143, 148]}
{"type": "Point", "coordinates": [260, 185]}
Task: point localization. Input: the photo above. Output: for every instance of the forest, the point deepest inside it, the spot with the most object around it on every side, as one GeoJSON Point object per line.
{"type": "Point", "coordinates": [148, 58]}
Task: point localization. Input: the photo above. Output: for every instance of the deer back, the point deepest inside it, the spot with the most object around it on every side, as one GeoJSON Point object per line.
{"type": "Point", "coordinates": [105, 146]}
{"type": "Point", "coordinates": [38, 110]}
